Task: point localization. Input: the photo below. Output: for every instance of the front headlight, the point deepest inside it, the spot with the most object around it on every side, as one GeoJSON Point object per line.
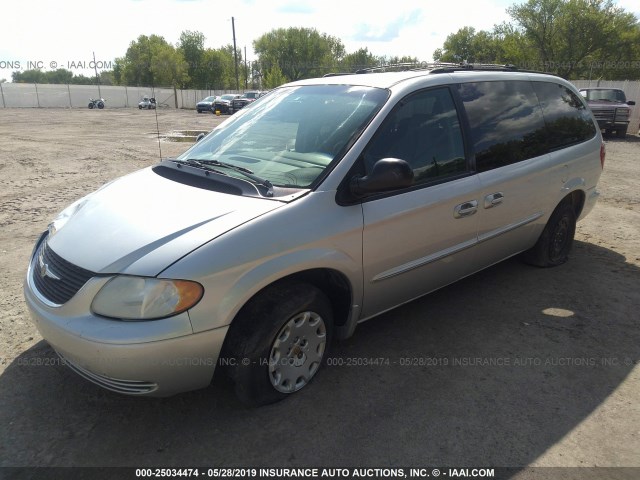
{"type": "Point", "coordinates": [141, 298]}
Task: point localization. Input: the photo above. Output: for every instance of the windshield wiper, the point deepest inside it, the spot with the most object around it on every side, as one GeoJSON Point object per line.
{"type": "Point", "coordinates": [244, 171]}
{"type": "Point", "coordinates": [199, 163]}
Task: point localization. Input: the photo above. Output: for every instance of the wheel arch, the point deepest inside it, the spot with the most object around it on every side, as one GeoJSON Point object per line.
{"type": "Point", "coordinates": [576, 198]}
{"type": "Point", "coordinates": [333, 283]}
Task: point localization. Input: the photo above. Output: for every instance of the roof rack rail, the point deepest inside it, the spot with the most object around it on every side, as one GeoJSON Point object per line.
{"type": "Point", "coordinates": [456, 67]}
{"type": "Point", "coordinates": [392, 67]}
{"type": "Point", "coordinates": [438, 67]}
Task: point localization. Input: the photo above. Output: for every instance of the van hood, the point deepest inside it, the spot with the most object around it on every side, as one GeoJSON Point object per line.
{"type": "Point", "coordinates": [142, 223]}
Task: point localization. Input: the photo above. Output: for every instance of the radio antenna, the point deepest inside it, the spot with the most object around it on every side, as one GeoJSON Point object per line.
{"type": "Point", "coordinates": [157, 125]}
{"type": "Point", "coordinates": [153, 96]}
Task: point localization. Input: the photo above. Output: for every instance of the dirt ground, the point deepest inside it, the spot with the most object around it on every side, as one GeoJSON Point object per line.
{"type": "Point", "coordinates": [514, 366]}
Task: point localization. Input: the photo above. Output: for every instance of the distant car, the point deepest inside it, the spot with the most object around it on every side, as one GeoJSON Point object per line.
{"type": "Point", "coordinates": [611, 109]}
{"type": "Point", "coordinates": [245, 99]}
{"type": "Point", "coordinates": [223, 103]}
{"type": "Point", "coordinates": [206, 104]}
{"type": "Point", "coordinates": [148, 103]}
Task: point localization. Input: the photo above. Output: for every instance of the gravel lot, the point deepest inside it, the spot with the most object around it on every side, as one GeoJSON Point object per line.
{"type": "Point", "coordinates": [514, 366]}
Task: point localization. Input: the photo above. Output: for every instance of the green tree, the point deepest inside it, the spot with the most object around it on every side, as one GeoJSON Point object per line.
{"type": "Point", "coordinates": [169, 67]}
{"type": "Point", "coordinates": [298, 52]}
{"type": "Point", "coordinates": [191, 45]}
{"type": "Point", "coordinates": [274, 77]}
{"type": "Point", "coordinates": [568, 34]}
{"type": "Point", "coordinates": [83, 80]}
{"type": "Point", "coordinates": [152, 61]}
{"type": "Point", "coordinates": [29, 76]}
{"type": "Point", "coordinates": [467, 45]}
{"type": "Point", "coordinates": [357, 60]}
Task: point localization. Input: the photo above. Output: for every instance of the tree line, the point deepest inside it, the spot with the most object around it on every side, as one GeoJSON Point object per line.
{"type": "Point", "coordinates": [576, 39]}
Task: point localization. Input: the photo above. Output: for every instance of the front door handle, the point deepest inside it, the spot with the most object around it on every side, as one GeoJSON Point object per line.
{"type": "Point", "coordinates": [465, 209]}
{"type": "Point", "coordinates": [493, 199]}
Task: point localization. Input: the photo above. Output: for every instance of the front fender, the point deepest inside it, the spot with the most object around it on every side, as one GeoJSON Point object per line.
{"type": "Point", "coordinates": [310, 233]}
{"type": "Point", "coordinates": [226, 293]}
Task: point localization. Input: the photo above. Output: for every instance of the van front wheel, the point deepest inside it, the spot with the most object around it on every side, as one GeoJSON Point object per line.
{"type": "Point", "coordinates": [279, 342]}
{"type": "Point", "coordinates": [553, 246]}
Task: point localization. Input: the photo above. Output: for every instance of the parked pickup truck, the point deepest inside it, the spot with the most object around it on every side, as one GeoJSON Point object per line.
{"type": "Point", "coordinates": [610, 107]}
{"type": "Point", "coordinates": [244, 100]}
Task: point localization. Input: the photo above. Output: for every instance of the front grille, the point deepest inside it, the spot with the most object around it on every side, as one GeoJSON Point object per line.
{"type": "Point", "coordinates": [55, 278]}
{"type": "Point", "coordinates": [608, 113]}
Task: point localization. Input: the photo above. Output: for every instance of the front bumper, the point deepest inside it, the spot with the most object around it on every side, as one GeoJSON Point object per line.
{"type": "Point", "coordinates": [154, 358]}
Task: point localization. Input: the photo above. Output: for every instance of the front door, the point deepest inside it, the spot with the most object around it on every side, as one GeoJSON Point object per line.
{"type": "Point", "coordinates": [423, 237]}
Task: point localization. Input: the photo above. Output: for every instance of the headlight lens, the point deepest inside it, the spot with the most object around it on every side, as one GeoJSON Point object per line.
{"type": "Point", "coordinates": [141, 298]}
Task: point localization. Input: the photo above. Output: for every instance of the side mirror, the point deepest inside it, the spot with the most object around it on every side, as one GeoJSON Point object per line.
{"type": "Point", "coordinates": [199, 137]}
{"type": "Point", "coordinates": [387, 174]}
{"type": "Point", "coordinates": [631, 102]}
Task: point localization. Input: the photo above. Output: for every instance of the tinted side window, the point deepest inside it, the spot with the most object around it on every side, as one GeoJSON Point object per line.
{"type": "Point", "coordinates": [424, 130]}
{"type": "Point", "coordinates": [506, 122]}
{"type": "Point", "coordinates": [568, 120]}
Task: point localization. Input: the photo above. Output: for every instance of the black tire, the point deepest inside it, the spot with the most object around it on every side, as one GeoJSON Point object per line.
{"type": "Point", "coordinates": [91, 106]}
{"type": "Point", "coordinates": [262, 332]}
{"type": "Point", "coordinates": [100, 105]}
{"type": "Point", "coordinates": [622, 133]}
{"type": "Point", "coordinates": [199, 111]}
{"type": "Point", "coordinates": [139, 107]}
{"type": "Point", "coordinates": [553, 246]}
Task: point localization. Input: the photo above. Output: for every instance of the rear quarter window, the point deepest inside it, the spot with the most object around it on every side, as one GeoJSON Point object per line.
{"type": "Point", "coordinates": [567, 117]}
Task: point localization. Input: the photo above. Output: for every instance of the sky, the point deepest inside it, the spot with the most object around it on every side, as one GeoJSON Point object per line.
{"type": "Point", "coordinates": [66, 34]}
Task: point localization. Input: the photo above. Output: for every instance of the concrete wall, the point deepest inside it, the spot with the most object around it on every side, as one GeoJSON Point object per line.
{"type": "Point", "coordinates": [29, 95]}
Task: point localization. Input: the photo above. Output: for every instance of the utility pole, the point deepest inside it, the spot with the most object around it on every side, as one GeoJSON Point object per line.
{"type": "Point", "coordinates": [95, 68]}
{"type": "Point", "coordinates": [246, 72]}
{"type": "Point", "coordinates": [235, 51]}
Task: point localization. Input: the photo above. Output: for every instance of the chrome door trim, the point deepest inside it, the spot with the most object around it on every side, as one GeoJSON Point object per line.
{"type": "Point", "coordinates": [420, 262]}
{"type": "Point", "coordinates": [507, 228]}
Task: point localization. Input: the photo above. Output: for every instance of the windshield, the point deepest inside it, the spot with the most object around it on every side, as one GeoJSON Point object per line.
{"type": "Point", "coordinates": [606, 95]}
{"type": "Point", "coordinates": [228, 97]}
{"type": "Point", "coordinates": [209, 99]}
{"type": "Point", "coordinates": [291, 135]}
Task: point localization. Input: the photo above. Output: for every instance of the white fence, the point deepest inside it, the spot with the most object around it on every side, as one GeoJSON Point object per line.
{"type": "Point", "coordinates": [16, 95]}
{"type": "Point", "coordinates": [30, 95]}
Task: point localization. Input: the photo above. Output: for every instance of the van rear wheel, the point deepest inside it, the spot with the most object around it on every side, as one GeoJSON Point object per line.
{"type": "Point", "coordinates": [278, 342]}
{"type": "Point", "coordinates": [553, 246]}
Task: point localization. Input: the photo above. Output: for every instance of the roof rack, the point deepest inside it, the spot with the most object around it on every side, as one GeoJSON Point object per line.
{"type": "Point", "coordinates": [438, 67]}
{"type": "Point", "coordinates": [496, 67]}
{"type": "Point", "coordinates": [394, 67]}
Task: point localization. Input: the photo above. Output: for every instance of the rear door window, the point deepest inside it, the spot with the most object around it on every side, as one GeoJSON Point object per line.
{"type": "Point", "coordinates": [506, 122]}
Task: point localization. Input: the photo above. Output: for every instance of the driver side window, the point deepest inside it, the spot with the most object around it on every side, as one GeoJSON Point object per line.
{"type": "Point", "coordinates": [424, 130]}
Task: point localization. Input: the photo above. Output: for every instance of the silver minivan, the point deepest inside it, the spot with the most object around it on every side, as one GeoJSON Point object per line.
{"type": "Point", "coordinates": [322, 204]}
